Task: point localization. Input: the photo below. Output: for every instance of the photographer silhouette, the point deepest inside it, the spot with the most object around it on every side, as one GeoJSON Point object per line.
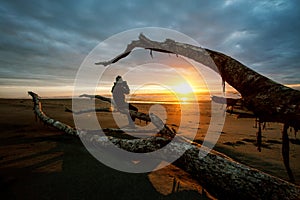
{"type": "Point", "coordinates": [119, 89]}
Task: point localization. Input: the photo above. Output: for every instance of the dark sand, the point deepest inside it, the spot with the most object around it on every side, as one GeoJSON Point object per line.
{"type": "Point", "coordinates": [39, 162]}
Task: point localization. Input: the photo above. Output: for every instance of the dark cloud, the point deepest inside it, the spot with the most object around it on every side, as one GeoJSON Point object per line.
{"type": "Point", "coordinates": [46, 41]}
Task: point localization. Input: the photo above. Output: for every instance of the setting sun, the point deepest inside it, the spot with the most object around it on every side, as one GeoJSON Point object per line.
{"type": "Point", "coordinates": [183, 88]}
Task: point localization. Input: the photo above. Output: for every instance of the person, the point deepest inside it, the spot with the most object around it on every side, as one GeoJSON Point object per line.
{"type": "Point", "coordinates": [119, 90]}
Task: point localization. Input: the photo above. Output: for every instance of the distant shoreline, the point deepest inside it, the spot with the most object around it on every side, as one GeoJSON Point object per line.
{"type": "Point", "coordinates": [130, 101]}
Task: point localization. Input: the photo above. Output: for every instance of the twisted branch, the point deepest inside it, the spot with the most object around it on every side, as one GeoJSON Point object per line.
{"type": "Point", "coordinates": [221, 175]}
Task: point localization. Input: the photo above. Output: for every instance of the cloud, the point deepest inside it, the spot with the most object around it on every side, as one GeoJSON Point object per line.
{"type": "Point", "coordinates": [46, 41]}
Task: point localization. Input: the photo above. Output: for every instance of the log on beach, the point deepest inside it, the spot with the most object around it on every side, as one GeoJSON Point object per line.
{"type": "Point", "coordinates": [37, 109]}
{"type": "Point", "coordinates": [222, 176]}
{"type": "Point", "coordinates": [165, 131]}
{"type": "Point", "coordinates": [268, 100]}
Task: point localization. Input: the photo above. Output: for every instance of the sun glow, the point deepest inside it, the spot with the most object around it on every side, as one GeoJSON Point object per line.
{"type": "Point", "coordinates": [183, 88]}
{"type": "Point", "coordinates": [184, 92]}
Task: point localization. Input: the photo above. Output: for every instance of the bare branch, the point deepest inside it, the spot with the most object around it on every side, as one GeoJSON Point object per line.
{"type": "Point", "coordinates": [102, 98]}
{"type": "Point", "coordinates": [87, 110]}
{"type": "Point", "coordinates": [165, 131]}
{"type": "Point", "coordinates": [270, 101]}
{"type": "Point", "coordinates": [221, 175]}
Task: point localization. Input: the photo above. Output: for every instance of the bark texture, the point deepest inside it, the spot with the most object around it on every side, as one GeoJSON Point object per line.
{"type": "Point", "coordinates": [39, 114]}
{"type": "Point", "coordinates": [268, 100]}
{"type": "Point", "coordinates": [221, 175]}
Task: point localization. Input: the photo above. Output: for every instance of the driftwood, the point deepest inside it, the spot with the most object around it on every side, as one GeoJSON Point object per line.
{"type": "Point", "coordinates": [227, 101]}
{"type": "Point", "coordinates": [165, 131]}
{"type": "Point", "coordinates": [87, 110]}
{"type": "Point", "coordinates": [240, 113]}
{"type": "Point", "coordinates": [223, 177]}
{"type": "Point", "coordinates": [97, 97]}
{"type": "Point", "coordinates": [37, 108]}
{"type": "Point", "coordinates": [269, 101]}
{"type": "Point", "coordinates": [233, 108]}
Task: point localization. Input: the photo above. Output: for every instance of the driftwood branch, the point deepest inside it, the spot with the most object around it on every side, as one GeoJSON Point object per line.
{"type": "Point", "coordinates": [102, 98]}
{"type": "Point", "coordinates": [165, 131]}
{"type": "Point", "coordinates": [268, 100]}
{"type": "Point", "coordinates": [221, 175]}
{"type": "Point", "coordinates": [37, 107]}
{"type": "Point", "coordinates": [87, 110]}
{"type": "Point", "coordinates": [231, 104]}
{"type": "Point", "coordinates": [227, 101]}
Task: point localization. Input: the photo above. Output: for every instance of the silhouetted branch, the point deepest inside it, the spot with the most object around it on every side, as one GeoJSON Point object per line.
{"type": "Point", "coordinates": [87, 110]}
{"type": "Point", "coordinates": [165, 131]}
{"type": "Point", "coordinates": [268, 100]}
{"type": "Point", "coordinates": [226, 178]}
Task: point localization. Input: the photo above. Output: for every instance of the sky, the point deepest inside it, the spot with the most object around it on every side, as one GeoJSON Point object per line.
{"type": "Point", "coordinates": [43, 43]}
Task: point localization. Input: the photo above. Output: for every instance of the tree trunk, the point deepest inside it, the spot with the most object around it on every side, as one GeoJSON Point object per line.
{"type": "Point", "coordinates": [269, 101]}
{"type": "Point", "coordinates": [221, 175]}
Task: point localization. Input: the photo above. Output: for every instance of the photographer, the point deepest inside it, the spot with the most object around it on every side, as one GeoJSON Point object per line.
{"type": "Point", "coordinates": [119, 89]}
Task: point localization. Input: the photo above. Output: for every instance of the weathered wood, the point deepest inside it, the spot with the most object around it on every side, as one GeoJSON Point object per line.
{"type": "Point", "coordinates": [227, 101]}
{"type": "Point", "coordinates": [269, 101]}
{"type": "Point", "coordinates": [102, 98]}
{"type": "Point", "coordinates": [285, 151]}
{"type": "Point", "coordinates": [221, 175]}
{"type": "Point", "coordinates": [259, 137]}
{"type": "Point", "coordinates": [165, 131]}
{"type": "Point", "coordinates": [37, 107]}
{"type": "Point", "coordinates": [87, 110]}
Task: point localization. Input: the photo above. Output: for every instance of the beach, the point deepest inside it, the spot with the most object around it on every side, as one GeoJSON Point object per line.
{"type": "Point", "coordinates": [40, 162]}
